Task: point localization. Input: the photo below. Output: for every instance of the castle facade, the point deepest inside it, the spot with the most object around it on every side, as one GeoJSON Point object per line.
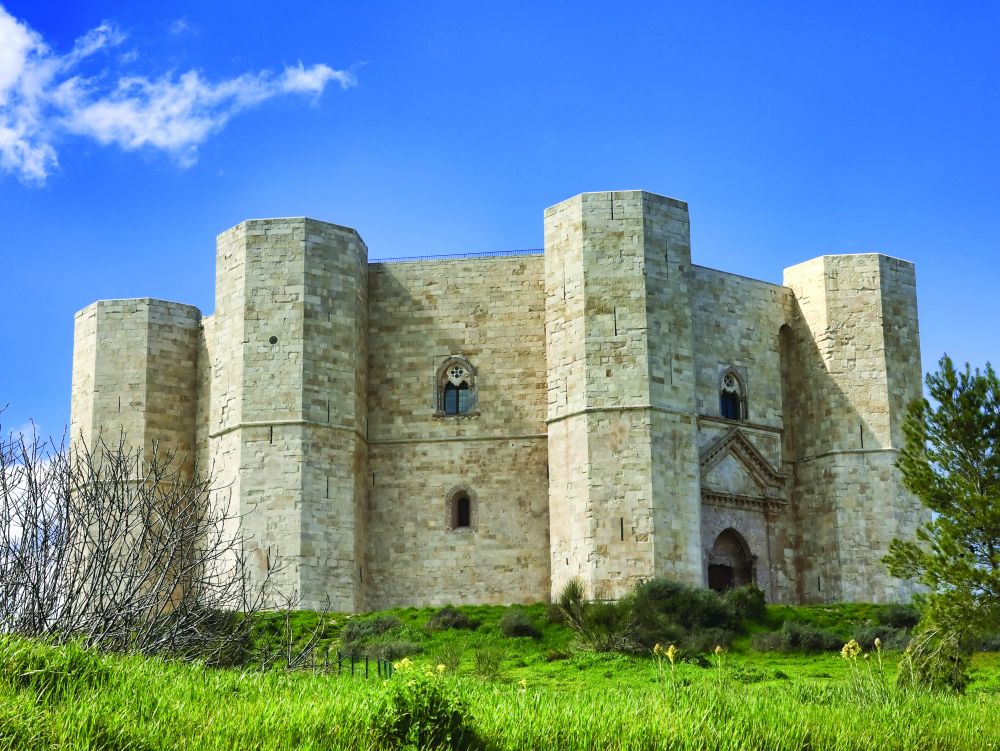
{"type": "Point", "coordinates": [482, 429]}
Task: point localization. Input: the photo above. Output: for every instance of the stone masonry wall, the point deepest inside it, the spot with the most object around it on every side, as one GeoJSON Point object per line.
{"type": "Point", "coordinates": [737, 321]}
{"type": "Point", "coordinates": [623, 493]}
{"type": "Point", "coordinates": [311, 396]}
{"type": "Point", "coordinates": [286, 424]}
{"type": "Point", "coordinates": [849, 381]}
{"type": "Point", "coordinates": [134, 376]}
{"type": "Point", "coordinates": [491, 312]}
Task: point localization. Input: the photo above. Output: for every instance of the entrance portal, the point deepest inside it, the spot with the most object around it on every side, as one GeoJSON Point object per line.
{"type": "Point", "coordinates": [730, 563]}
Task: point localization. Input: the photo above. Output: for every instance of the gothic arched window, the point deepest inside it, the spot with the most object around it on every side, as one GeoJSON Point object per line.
{"type": "Point", "coordinates": [456, 387]}
{"type": "Point", "coordinates": [732, 396]}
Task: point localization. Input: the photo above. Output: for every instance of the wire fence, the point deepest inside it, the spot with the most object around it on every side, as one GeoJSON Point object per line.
{"type": "Point", "coordinates": [374, 667]}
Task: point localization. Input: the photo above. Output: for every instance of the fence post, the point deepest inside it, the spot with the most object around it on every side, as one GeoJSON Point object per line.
{"type": "Point", "coordinates": [366, 667]}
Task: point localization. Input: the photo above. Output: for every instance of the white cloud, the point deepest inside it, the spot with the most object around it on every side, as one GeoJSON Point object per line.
{"type": "Point", "coordinates": [180, 26]}
{"type": "Point", "coordinates": [313, 80]}
{"type": "Point", "coordinates": [44, 95]}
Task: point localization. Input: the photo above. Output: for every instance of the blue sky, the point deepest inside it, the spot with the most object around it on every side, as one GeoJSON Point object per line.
{"type": "Point", "coordinates": [132, 133]}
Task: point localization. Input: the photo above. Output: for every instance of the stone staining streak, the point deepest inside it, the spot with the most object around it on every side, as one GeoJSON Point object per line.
{"type": "Point", "coordinates": [481, 430]}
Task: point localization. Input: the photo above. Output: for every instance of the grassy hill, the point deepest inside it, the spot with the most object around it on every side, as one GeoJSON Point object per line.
{"type": "Point", "coordinates": [494, 691]}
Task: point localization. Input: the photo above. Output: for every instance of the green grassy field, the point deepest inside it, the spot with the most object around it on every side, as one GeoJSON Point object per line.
{"type": "Point", "coordinates": [539, 694]}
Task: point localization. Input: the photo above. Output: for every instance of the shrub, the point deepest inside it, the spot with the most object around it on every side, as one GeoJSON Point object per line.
{"type": "Point", "coordinates": [691, 607]}
{"type": "Point", "coordinates": [376, 637]}
{"type": "Point", "coordinates": [805, 637]}
{"type": "Point", "coordinates": [936, 658]}
{"type": "Point", "coordinates": [601, 626]}
{"type": "Point", "coordinates": [487, 661]}
{"type": "Point", "coordinates": [889, 638]}
{"type": "Point", "coordinates": [767, 641]}
{"type": "Point", "coordinates": [988, 643]}
{"type": "Point", "coordinates": [898, 616]}
{"type": "Point", "coordinates": [449, 617]}
{"type": "Point", "coordinates": [363, 629]}
{"type": "Point", "coordinates": [705, 641]}
{"type": "Point", "coordinates": [553, 655]}
{"type": "Point", "coordinates": [391, 649]}
{"type": "Point", "coordinates": [421, 710]}
{"type": "Point", "coordinates": [517, 623]}
{"type": "Point", "coordinates": [665, 611]}
{"type": "Point", "coordinates": [748, 674]}
{"type": "Point", "coordinates": [748, 602]}
{"type": "Point", "coordinates": [796, 636]}
{"type": "Point", "coordinates": [554, 614]}
{"type": "Point", "coordinates": [449, 655]}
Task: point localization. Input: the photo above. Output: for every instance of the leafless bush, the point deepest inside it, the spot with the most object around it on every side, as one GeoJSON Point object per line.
{"type": "Point", "coordinates": [123, 551]}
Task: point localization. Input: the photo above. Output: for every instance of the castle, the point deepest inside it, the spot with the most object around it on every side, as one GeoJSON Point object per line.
{"type": "Point", "coordinates": [481, 429]}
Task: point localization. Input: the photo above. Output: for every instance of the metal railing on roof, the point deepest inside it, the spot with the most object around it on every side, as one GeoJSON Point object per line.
{"type": "Point", "coordinates": [448, 256]}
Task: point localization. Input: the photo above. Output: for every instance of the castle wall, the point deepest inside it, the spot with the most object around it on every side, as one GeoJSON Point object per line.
{"type": "Point", "coordinates": [736, 324]}
{"type": "Point", "coordinates": [596, 446]}
{"type": "Point", "coordinates": [673, 344]}
{"type": "Point", "coordinates": [851, 375]}
{"type": "Point", "coordinates": [420, 313]}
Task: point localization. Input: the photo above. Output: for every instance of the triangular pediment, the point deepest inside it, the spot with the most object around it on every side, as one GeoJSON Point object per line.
{"type": "Point", "coordinates": [731, 464]}
{"type": "Point", "coordinates": [729, 475]}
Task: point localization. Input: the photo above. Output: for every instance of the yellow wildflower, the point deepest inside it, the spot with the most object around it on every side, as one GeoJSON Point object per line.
{"type": "Point", "coordinates": [719, 651]}
{"type": "Point", "coordinates": [441, 668]}
{"type": "Point", "coordinates": [672, 654]}
{"type": "Point", "coordinates": [850, 650]}
{"type": "Point", "coordinates": [402, 665]}
{"type": "Point", "coordinates": [657, 650]}
{"type": "Point", "coordinates": [522, 683]}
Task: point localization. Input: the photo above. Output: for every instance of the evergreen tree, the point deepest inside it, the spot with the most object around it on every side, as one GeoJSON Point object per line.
{"type": "Point", "coordinates": [951, 462]}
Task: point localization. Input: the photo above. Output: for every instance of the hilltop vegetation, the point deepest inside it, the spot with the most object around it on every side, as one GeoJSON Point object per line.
{"type": "Point", "coordinates": [540, 693]}
{"type": "Point", "coordinates": [467, 684]}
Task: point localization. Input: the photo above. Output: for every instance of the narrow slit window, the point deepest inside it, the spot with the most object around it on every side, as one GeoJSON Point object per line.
{"type": "Point", "coordinates": [463, 512]}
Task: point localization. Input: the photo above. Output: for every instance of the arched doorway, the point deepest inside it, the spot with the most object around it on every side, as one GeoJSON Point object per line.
{"type": "Point", "coordinates": [730, 563]}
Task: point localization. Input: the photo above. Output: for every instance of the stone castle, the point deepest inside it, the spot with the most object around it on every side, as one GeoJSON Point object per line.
{"type": "Point", "coordinates": [481, 429]}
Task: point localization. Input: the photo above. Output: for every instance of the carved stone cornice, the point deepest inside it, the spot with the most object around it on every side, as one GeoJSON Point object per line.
{"type": "Point", "coordinates": [733, 500]}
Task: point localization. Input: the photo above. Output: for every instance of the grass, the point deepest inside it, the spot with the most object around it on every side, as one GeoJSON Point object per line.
{"type": "Point", "coordinates": [68, 698]}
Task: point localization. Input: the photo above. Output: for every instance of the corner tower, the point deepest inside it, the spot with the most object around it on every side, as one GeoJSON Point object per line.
{"type": "Point", "coordinates": [853, 354]}
{"type": "Point", "coordinates": [624, 496]}
{"type": "Point", "coordinates": [287, 422]}
{"type": "Point", "coordinates": [134, 376]}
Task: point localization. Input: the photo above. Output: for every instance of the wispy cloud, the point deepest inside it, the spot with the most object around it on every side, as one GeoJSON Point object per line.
{"type": "Point", "coordinates": [44, 95]}
{"type": "Point", "coordinates": [180, 26]}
